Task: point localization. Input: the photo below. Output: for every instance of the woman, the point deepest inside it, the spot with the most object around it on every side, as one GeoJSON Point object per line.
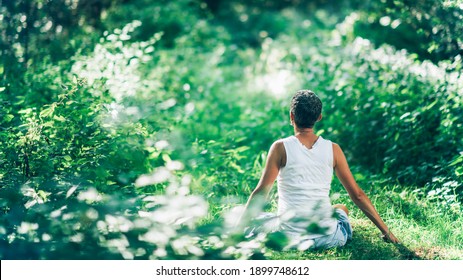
{"type": "Point", "coordinates": [303, 164]}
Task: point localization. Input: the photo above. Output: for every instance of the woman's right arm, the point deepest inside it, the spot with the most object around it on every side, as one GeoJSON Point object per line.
{"type": "Point", "coordinates": [357, 195]}
{"type": "Point", "coordinates": [272, 167]}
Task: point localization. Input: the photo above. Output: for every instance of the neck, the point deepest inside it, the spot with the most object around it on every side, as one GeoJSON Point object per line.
{"type": "Point", "coordinates": [304, 131]}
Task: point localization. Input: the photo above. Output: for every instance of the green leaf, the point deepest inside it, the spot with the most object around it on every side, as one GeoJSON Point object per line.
{"type": "Point", "coordinates": [67, 158]}
{"type": "Point", "coordinates": [316, 228]}
{"type": "Point", "coordinates": [166, 158]}
{"type": "Point", "coordinates": [47, 112]}
{"type": "Point", "coordinates": [276, 240]}
{"type": "Point", "coordinates": [48, 124]}
{"type": "Point", "coordinates": [457, 161]}
{"type": "Point", "coordinates": [71, 191]}
{"type": "Point", "coordinates": [59, 118]}
{"type": "Point", "coordinates": [459, 171]}
{"type": "Point", "coordinates": [8, 118]}
{"type": "Point", "coordinates": [25, 111]}
{"type": "Point", "coordinates": [43, 195]}
{"type": "Point", "coordinates": [242, 149]}
{"type": "Point", "coordinates": [430, 105]}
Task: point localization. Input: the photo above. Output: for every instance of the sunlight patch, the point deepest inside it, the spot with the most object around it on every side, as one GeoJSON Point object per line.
{"type": "Point", "coordinates": [115, 62]}
{"type": "Point", "coordinates": [276, 83]}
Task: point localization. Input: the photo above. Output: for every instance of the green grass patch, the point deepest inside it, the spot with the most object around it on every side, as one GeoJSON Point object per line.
{"type": "Point", "coordinates": [426, 232]}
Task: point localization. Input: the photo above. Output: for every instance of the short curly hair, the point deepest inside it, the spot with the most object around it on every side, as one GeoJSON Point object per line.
{"type": "Point", "coordinates": [306, 107]}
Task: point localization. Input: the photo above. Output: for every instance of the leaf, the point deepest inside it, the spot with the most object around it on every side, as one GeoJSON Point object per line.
{"type": "Point", "coordinates": [236, 167]}
{"type": "Point", "coordinates": [457, 161]}
{"type": "Point", "coordinates": [43, 195]}
{"type": "Point", "coordinates": [459, 171]}
{"type": "Point", "coordinates": [405, 115]}
{"type": "Point", "coordinates": [316, 228]}
{"type": "Point", "coordinates": [30, 203]}
{"type": "Point", "coordinates": [71, 191]}
{"type": "Point", "coordinates": [25, 111]}
{"type": "Point", "coordinates": [242, 149]}
{"type": "Point", "coordinates": [276, 240]}
{"type": "Point", "coordinates": [8, 118]}
{"type": "Point", "coordinates": [59, 118]}
{"type": "Point", "coordinates": [430, 105]}
{"type": "Point", "coordinates": [47, 112]}
{"type": "Point", "coordinates": [67, 158]}
{"type": "Point", "coordinates": [48, 124]}
{"type": "Point", "coordinates": [166, 158]}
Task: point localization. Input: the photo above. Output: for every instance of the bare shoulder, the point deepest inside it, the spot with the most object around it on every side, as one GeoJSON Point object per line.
{"type": "Point", "coordinates": [278, 152]}
{"type": "Point", "coordinates": [337, 153]}
{"type": "Point", "coordinates": [278, 144]}
{"type": "Point", "coordinates": [336, 147]}
{"type": "Point", "coordinates": [277, 147]}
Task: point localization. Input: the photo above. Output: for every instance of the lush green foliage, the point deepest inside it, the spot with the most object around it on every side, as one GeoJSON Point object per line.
{"type": "Point", "coordinates": [427, 29]}
{"type": "Point", "coordinates": [134, 133]}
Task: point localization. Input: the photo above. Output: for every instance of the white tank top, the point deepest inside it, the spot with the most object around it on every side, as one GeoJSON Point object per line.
{"type": "Point", "coordinates": [304, 186]}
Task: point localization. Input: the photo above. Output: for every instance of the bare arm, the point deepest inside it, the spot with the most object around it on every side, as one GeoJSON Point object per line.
{"type": "Point", "coordinates": [357, 195]}
{"type": "Point", "coordinates": [272, 167]}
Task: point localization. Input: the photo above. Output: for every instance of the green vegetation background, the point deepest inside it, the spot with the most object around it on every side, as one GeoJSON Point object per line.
{"type": "Point", "coordinates": [131, 129]}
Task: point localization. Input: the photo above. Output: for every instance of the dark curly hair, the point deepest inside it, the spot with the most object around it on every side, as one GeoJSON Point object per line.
{"type": "Point", "coordinates": [306, 107]}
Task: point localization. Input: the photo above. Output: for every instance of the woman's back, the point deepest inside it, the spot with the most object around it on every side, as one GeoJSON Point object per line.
{"type": "Point", "coordinates": [304, 186]}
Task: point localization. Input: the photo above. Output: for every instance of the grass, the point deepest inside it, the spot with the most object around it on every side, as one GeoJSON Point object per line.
{"type": "Point", "coordinates": [426, 232]}
{"type": "Point", "coordinates": [366, 245]}
{"type": "Point", "coordinates": [427, 229]}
